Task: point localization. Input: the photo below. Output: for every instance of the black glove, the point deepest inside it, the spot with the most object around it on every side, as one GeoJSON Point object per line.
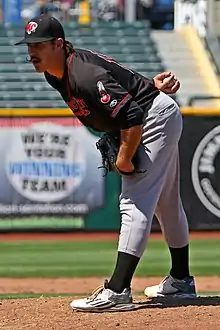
{"type": "Point", "coordinates": [108, 145]}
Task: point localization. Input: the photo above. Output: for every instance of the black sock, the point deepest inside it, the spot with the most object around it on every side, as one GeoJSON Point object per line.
{"type": "Point", "coordinates": [123, 273]}
{"type": "Point", "coordinates": [180, 262]}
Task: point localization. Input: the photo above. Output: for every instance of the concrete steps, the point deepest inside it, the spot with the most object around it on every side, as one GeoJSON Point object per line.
{"type": "Point", "coordinates": [178, 58]}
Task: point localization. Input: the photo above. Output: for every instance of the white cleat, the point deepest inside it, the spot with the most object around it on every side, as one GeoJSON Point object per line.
{"type": "Point", "coordinates": [171, 287]}
{"type": "Point", "coordinates": [105, 300]}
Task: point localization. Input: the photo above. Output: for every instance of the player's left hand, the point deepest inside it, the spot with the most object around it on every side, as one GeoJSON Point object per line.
{"type": "Point", "coordinates": [167, 82]}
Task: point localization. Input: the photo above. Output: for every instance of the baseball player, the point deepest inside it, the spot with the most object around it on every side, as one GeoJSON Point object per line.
{"type": "Point", "coordinates": [110, 98]}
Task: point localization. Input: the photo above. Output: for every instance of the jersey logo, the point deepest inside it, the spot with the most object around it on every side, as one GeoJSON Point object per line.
{"type": "Point", "coordinates": [31, 27]}
{"type": "Point", "coordinates": [105, 97]}
{"type": "Point", "coordinates": [78, 107]}
{"type": "Point", "coordinates": [113, 103]}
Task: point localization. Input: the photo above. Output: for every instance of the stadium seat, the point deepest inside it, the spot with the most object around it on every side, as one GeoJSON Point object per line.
{"type": "Point", "coordinates": [17, 86]}
{"type": "Point", "coordinates": [13, 104]}
{"type": "Point", "coordinates": [31, 77]}
{"type": "Point", "coordinates": [36, 95]}
{"type": "Point", "coordinates": [128, 49]}
{"type": "Point", "coordinates": [12, 58]}
{"type": "Point", "coordinates": [144, 58]}
{"type": "Point", "coordinates": [12, 67]}
{"type": "Point", "coordinates": [21, 86]}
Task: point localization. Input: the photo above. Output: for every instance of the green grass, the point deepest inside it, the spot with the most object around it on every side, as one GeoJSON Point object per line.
{"type": "Point", "coordinates": [4, 296]}
{"type": "Point", "coordinates": [81, 259]}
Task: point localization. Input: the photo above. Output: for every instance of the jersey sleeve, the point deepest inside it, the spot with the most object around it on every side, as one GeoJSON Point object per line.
{"type": "Point", "coordinates": [112, 98]}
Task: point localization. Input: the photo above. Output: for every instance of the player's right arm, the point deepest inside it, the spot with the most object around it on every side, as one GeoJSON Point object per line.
{"type": "Point", "coordinates": [121, 109]}
{"type": "Point", "coordinates": [130, 140]}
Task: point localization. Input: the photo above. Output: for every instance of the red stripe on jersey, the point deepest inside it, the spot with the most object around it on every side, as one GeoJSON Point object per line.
{"type": "Point", "coordinates": [115, 111]}
{"type": "Point", "coordinates": [70, 61]}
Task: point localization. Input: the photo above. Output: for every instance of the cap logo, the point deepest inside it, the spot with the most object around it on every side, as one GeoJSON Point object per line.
{"type": "Point", "coordinates": [31, 27]}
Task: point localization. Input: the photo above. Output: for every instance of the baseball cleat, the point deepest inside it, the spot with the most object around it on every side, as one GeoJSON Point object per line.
{"type": "Point", "coordinates": [105, 300]}
{"type": "Point", "coordinates": [171, 287]}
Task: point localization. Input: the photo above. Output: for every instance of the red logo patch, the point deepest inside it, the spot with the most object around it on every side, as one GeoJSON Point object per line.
{"type": "Point", "coordinates": [105, 97]}
{"type": "Point", "coordinates": [31, 27]}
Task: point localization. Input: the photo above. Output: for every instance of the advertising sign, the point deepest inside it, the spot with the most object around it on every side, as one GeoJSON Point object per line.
{"type": "Point", "coordinates": [200, 164]}
{"type": "Point", "coordinates": [49, 166]}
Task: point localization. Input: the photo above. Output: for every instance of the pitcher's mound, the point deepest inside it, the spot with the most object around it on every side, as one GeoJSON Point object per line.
{"type": "Point", "coordinates": [55, 313]}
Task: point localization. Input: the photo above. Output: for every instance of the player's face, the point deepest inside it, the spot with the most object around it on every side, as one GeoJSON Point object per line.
{"type": "Point", "coordinates": [42, 55]}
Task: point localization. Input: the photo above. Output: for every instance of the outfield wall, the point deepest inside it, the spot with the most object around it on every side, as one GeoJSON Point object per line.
{"type": "Point", "coordinates": [200, 167]}
{"type": "Point", "coordinates": [50, 178]}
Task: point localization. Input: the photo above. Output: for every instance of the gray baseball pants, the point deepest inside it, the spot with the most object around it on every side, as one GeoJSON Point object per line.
{"type": "Point", "coordinates": [155, 191]}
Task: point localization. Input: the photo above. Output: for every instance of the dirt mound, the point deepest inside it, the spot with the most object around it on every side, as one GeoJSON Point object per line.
{"type": "Point", "coordinates": [55, 313]}
{"type": "Point", "coordinates": [88, 284]}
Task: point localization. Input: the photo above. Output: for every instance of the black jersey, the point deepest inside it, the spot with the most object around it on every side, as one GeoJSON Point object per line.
{"type": "Point", "coordinates": [103, 94]}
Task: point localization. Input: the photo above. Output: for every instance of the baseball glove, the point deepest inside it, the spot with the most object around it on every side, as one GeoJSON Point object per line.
{"type": "Point", "coordinates": [108, 145]}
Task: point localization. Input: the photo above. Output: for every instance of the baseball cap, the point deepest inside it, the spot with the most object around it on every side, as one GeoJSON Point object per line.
{"type": "Point", "coordinates": [42, 28]}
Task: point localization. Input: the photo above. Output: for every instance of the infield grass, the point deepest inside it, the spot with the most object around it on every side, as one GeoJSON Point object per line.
{"type": "Point", "coordinates": [53, 259]}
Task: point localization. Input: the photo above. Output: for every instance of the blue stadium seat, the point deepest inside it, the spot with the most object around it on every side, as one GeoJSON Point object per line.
{"type": "Point", "coordinates": [21, 86]}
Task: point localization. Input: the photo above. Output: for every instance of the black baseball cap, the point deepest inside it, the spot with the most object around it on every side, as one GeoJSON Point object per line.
{"type": "Point", "coordinates": [42, 28]}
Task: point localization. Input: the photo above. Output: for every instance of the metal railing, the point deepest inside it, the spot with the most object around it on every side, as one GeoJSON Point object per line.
{"type": "Point", "coordinates": [210, 107]}
{"type": "Point", "coordinates": [195, 98]}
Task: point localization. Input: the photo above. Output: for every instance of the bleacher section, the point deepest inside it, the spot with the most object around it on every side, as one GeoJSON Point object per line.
{"type": "Point", "coordinates": [21, 86]}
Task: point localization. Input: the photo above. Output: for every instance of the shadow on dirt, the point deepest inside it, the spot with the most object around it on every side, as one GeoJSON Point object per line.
{"type": "Point", "coordinates": [173, 302]}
